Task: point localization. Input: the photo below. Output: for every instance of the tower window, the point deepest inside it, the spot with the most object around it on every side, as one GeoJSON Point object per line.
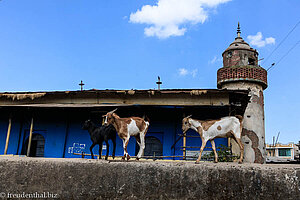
{"type": "Point", "coordinates": [229, 54]}
{"type": "Point", "coordinates": [251, 61]}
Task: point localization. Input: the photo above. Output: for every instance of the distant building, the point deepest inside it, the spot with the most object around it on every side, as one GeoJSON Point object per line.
{"type": "Point", "coordinates": [282, 152]}
{"type": "Point", "coordinates": [297, 153]}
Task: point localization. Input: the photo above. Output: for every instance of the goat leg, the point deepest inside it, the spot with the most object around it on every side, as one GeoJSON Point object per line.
{"type": "Point", "coordinates": [114, 150]}
{"type": "Point", "coordinates": [107, 149]}
{"type": "Point", "coordinates": [201, 150]}
{"type": "Point", "coordinates": [214, 149]}
{"type": "Point", "coordinates": [91, 150]}
{"type": "Point", "coordinates": [100, 149]}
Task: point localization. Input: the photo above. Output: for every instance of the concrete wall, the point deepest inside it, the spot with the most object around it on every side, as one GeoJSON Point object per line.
{"type": "Point", "coordinates": [253, 135]}
{"type": "Point", "coordinates": [92, 179]}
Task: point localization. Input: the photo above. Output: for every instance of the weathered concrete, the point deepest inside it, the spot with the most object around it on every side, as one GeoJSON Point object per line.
{"type": "Point", "coordinates": [93, 179]}
{"type": "Point", "coordinates": [253, 135]}
{"type": "Point", "coordinates": [241, 71]}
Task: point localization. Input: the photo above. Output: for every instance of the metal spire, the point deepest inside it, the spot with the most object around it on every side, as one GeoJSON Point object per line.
{"type": "Point", "coordinates": [238, 30]}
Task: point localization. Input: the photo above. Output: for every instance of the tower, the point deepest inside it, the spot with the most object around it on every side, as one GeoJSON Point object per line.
{"type": "Point", "coordinates": [241, 71]}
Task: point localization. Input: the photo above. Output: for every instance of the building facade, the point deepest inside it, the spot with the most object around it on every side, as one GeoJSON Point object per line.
{"type": "Point", "coordinates": [281, 152]}
{"type": "Point", "coordinates": [56, 118]}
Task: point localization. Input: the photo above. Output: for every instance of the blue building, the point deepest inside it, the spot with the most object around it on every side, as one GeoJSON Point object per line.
{"type": "Point", "coordinates": [56, 118]}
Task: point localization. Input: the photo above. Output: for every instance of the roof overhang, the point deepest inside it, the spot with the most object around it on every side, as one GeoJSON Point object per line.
{"type": "Point", "coordinates": [109, 98]}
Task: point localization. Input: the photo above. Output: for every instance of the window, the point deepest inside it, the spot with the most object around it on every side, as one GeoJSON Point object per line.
{"type": "Point", "coordinates": [284, 152]}
{"type": "Point", "coordinates": [229, 54]}
{"type": "Point", "coordinates": [37, 146]}
{"type": "Point", "coordinates": [153, 147]}
{"type": "Point", "coordinates": [251, 61]}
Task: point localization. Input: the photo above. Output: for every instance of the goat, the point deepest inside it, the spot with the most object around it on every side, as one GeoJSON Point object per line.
{"type": "Point", "coordinates": [100, 134]}
{"type": "Point", "coordinates": [126, 127]}
{"type": "Point", "coordinates": [211, 129]}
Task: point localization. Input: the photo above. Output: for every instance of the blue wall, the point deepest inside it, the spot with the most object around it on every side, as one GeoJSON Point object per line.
{"type": "Point", "coordinates": [14, 136]}
{"type": "Point", "coordinates": [63, 135]}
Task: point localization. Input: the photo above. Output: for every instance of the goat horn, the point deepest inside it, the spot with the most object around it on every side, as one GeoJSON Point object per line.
{"type": "Point", "coordinates": [188, 116]}
{"type": "Point", "coordinates": [113, 110]}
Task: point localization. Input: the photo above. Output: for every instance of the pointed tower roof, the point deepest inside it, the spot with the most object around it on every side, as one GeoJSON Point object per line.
{"type": "Point", "coordinates": [239, 43]}
{"type": "Point", "coordinates": [240, 64]}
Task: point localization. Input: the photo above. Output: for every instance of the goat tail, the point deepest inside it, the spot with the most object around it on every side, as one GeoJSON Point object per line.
{"type": "Point", "coordinates": [240, 118]}
{"type": "Point", "coordinates": [241, 122]}
{"type": "Point", "coordinates": [146, 118]}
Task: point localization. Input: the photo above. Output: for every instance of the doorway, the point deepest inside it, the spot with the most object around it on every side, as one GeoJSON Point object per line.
{"type": "Point", "coordinates": [153, 146]}
{"type": "Point", "coordinates": [37, 146]}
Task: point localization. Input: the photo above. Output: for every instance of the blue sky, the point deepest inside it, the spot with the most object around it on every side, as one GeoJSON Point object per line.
{"type": "Point", "coordinates": [51, 45]}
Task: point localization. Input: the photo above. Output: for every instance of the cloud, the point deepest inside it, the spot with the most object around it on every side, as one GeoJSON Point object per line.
{"type": "Point", "coordinates": [215, 60]}
{"type": "Point", "coordinates": [185, 72]}
{"type": "Point", "coordinates": [194, 72]}
{"type": "Point", "coordinates": [169, 17]}
{"type": "Point", "coordinates": [257, 40]}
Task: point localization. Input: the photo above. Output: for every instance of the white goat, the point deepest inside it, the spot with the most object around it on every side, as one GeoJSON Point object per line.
{"type": "Point", "coordinates": [209, 130]}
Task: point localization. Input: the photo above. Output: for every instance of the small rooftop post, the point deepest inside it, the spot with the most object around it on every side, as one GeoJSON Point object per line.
{"type": "Point", "coordinates": [81, 85]}
{"type": "Point", "coordinates": [158, 83]}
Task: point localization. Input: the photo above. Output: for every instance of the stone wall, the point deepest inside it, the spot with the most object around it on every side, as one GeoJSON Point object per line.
{"type": "Point", "coordinates": [94, 179]}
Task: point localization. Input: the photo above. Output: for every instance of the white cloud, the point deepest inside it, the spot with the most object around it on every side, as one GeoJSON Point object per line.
{"type": "Point", "coordinates": [194, 72]}
{"type": "Point", "coordinates": [215, 60]}
{"type": "Point", "coordinates": [270, 40]}
{"type": "Point", "coordinates": [168, 17]}
{"type": "Point", "coordinates": [257, 40]}
{"type": "Point", "coordinates": [185, 72]}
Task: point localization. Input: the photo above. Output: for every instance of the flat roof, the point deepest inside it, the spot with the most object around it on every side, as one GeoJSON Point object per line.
{"type": "Point", "coordinates": [105, 98]}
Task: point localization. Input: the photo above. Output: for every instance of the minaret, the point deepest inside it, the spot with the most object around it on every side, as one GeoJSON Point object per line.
{"type": "Point", "coordinates": [241, 71]}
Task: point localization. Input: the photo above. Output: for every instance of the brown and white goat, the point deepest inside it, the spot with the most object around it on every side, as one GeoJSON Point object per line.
{"type": "Point", "coordinates": [209, 130]}
{"type": "Point", "coordinates": [126, 127]}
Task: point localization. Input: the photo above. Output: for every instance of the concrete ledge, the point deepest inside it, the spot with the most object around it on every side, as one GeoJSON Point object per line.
{"type": "Point", "coordinates": [93, 179]}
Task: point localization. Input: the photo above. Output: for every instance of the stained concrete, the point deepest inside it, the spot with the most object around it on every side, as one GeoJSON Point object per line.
{"type": "Point", "coordinates": [253, 135]}
{"type": "Point", "coordinates": [94, 179]}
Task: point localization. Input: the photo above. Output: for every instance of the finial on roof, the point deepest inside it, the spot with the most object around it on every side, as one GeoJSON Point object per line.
{"type": "Point", "coordinates": [81, 85]}
{"type": "Point", "coordinates": [158, 83]}
{"type": "Point", "coordinates": [238, 30]}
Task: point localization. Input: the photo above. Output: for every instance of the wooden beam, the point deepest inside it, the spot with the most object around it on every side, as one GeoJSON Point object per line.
{"type": "Point", "coordinates": [8, 135]}
{"type": "Point", "coordinates": [30, 137]}
{"type": "Point", "coordinates": [184, 145]}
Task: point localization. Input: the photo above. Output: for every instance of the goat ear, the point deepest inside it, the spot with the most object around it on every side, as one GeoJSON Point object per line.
{"type": "Point", "coordinates": [188, 116]}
